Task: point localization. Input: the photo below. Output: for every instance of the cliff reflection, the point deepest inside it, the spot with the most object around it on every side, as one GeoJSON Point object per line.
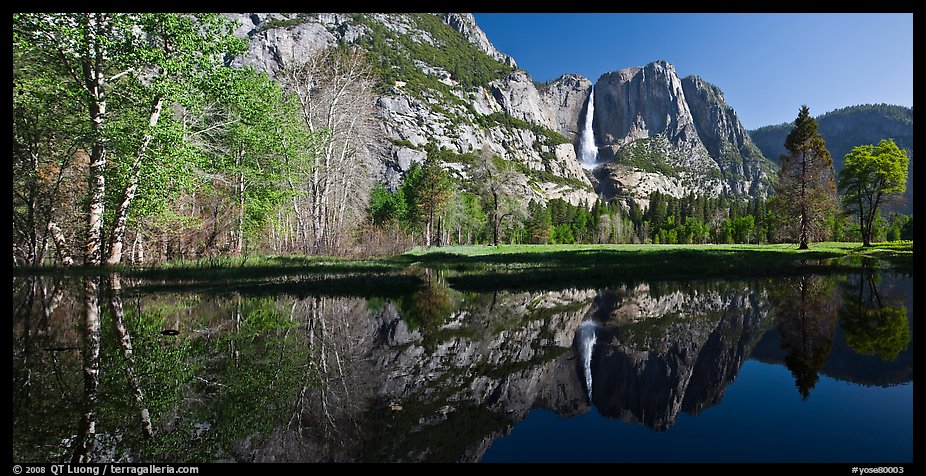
{"type": "Point", "coordinates": [438, 375]}
{"type": "Point", "coordinates": [670, 348]}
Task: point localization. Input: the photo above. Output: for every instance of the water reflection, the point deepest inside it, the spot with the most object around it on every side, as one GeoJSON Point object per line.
{"type": "Point", "coordinates": [438, 375]}
{"type": "Point", "coordinates": [872, 326]}
{"type": "Point", "coordinates": [806, 308]}
{"type": "Point", "coordinates": [670, 348]}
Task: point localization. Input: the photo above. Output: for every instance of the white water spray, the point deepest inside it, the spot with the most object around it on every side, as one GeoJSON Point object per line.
{"type": "Point", "coordinates": [588, 153]}
{"type": "Point", "coordinates": [587, 338]}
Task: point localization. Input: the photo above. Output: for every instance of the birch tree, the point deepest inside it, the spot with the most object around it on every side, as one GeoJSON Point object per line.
{"type": "Point", "coordinates": [145, 61]}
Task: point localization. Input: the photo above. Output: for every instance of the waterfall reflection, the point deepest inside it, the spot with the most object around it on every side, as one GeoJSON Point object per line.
{"type": "Point", "coordinates": [436, 375]}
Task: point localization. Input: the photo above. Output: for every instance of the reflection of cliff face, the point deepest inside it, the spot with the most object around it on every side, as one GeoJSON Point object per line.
{"type": "Point", "coordinates": [395, 389]}
{"type": "Point", "coordinates": [662, 354]}
{"type": "Point", "coordinates": [436, 376]}
{"type": "Point", "coordinates": [446, 394]}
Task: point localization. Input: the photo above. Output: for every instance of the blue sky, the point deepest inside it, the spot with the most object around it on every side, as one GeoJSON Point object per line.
{"type": "Point", "coordinates": [766, 64]}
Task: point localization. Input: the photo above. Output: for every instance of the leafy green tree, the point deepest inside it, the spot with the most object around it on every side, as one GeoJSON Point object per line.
{"type": "Point", "coordinates": [539, 223]}
{"type": "Point", "coordinates": [906, 231]}
{"type": "Point", "coordinates": [465, 216]}
{"type": "Point", "coordinates": [427, 189]}
{"type": "Point", "coordinates": [898, 226]}
{"type": "Point", "coordinates": [255, 139]}
{"type": "Point", "coordinates": [742, 228]}
{"type": "Point", "coordinates": [385, 206]}
{"type": "Point", "coordinates": [562, 234]}
{"type": "Point", "coordinates": [139, 62]}
{"type": "Point", "coordinates": [871, 175]}
{"type": "Point", "coordinates": [48, 140]}
{"type": "Point", "coordinates": [806, 192]}
{"type": "Point", "coordinates": [495, 176]}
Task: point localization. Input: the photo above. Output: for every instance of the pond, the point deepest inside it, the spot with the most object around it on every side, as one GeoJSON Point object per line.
{"type": "Point", "coordinates": [786, 369]}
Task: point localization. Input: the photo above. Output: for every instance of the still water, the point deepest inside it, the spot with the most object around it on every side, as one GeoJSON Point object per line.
{"type": "Point", "coordinates": [802, 368]}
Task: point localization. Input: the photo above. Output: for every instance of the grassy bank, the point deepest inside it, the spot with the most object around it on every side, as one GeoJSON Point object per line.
{"type": "Point", "coordinates": [482, 268]}
{"type": "Point", "coordinates": [551, 266]}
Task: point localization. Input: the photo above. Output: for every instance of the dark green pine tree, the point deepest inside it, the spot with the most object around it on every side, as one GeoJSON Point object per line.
{"type": "Point", "coordinates": [806, 191]}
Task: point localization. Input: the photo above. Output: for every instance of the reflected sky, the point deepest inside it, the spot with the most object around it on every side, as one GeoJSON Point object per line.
{"type": "Point", "coordinates": [761, 419]}
{"type": "Point", "coordinates": [794, 369]}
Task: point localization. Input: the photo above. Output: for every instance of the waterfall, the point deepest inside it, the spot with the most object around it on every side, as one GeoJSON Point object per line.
{"type": "Point", "coordinates": [588, 153]}
{"type": "Point", "coordinates": [586, 337]}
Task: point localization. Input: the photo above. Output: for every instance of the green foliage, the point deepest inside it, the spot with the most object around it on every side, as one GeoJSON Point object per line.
{"type": "Point", "coordinates": [395, 54]}
{"type": "Point", "coordinates": [387, 207]}
{"type": "Point", "coordinates": [901, 227]}
{"type": "Point", "coordinates": [426, 188]}
{"type": "Point", "coordinates": [742, 229]}
{"type": "Point", "coordinates": [465, 215]}
{"type": "Point", "coordinates": [148, 71]}
{"type": "Point", "coordinates": [539, 223]}
{"type": "Point", "coordinates": [883, 332]}
{"type": "Point", "coordinates": [643, 154]}
{"type": "Point", "coordinates": [872, 326]}
{"type": "Point", "coordinates": [806, 191]}
{"type": "Point", "coordinates": [693, 219]}
{"type": "Point", "coordinates": [870, 176]}
{"type": "Point", "coordinates": [262, 144]}
{"type": "Point", "coordinates": [48, 127]}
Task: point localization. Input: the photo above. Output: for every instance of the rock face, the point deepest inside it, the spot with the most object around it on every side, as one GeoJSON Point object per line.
{"type": "Point", "coordinates": [416, 114]}
{"type": "Point", "coordinates": [466, 25]}
{"type": "Point", "coordinates": [676, 136]}
{"type": "Point", "coordinates": [518, 98]}
{"type": "Point", "coordinates": [566, 98]}
{"type": "Point", "coordinates": [637, 103]}
{"type": "Point", "coordinates": [724, 136]}
{"type": "Point", "coordinates": [654, 130]}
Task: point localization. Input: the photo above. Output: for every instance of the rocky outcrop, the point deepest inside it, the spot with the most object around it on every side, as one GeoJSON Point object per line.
{"type": "Point", "coordinates": [654, 130]}
{"type": "Point", "coordinates": [518, 98]}
{"type": "Point", "coordinates": [278, 40]}
{"type": "Point", "coordinates": [636, 103]}
{"type": "Point", "coordinates": [565, 98]}
{"type": "Point", "coordinates": [716, 123]}
{"type": "Point", "coordinates": [725, 138]}
{"type": "Point", "coordinates": [466, 25]}
{"type": "Point", "coordinates": [659, 132]}
{"type": "Point", "coordinates": [413, 117]}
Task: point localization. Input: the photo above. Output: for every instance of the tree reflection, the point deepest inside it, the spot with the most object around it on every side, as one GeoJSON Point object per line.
{"type": "Point", "coordinates": [429, 307]}
{"type": "Point", "coordinates": [871, 326]}
{"type": "Point", "coordinates": [125, 343]}
{"type": "Point", "coordinates": [806, 311]}
{"type": "Point", "coordinates": [86, 428]}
